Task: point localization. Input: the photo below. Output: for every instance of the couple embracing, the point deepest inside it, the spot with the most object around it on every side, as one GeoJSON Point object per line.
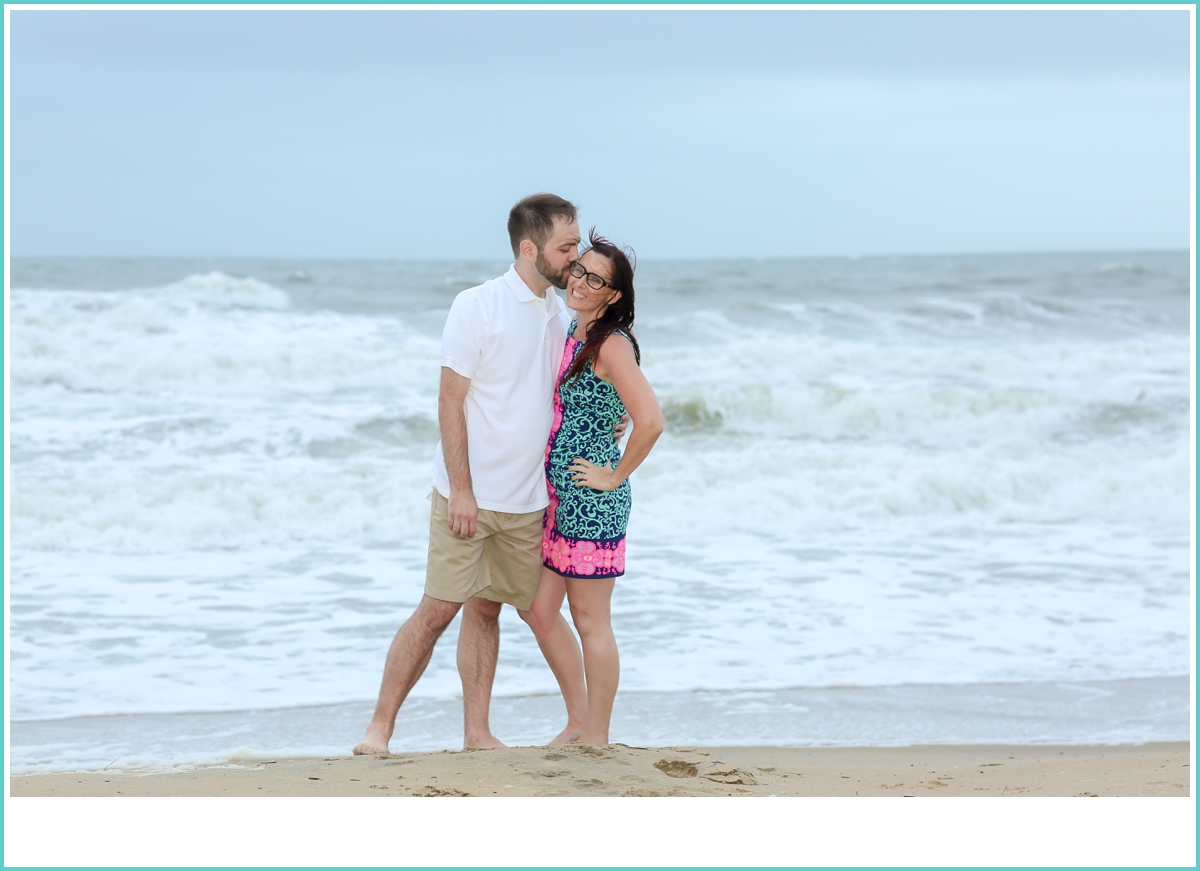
{"type": "Point", "coordinates": [530, 491]}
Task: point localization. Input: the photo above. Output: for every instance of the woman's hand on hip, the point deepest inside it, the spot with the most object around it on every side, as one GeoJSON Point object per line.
{"type": "Point", "coordinates": [586, 474]}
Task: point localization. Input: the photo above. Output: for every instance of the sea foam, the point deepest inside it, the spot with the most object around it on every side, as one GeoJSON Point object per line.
{"type": "Point", "coordinates": [874, 473]}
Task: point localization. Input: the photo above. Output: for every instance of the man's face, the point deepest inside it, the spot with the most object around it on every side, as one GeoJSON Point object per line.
{"type": "Point", "coordinates": [553, 261]}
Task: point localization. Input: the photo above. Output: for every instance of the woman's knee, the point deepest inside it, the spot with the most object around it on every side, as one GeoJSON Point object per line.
{"type": "Point", "coordinates": [590, 621]}
{"type": "Point", "coordinates": [539, 618]}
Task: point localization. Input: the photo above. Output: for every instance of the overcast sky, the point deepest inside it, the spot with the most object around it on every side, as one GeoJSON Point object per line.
{"type": "Point", "coordinates": [699, 133]}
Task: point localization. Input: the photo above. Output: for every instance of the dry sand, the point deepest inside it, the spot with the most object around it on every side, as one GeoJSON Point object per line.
{"type": "Point", "coordinates": [618, 770]}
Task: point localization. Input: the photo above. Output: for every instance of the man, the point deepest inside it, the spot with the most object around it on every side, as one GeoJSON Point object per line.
{"type": "Point", "coordinates": [501, 350]}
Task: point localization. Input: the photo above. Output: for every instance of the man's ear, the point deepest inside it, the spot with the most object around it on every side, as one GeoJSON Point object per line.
{"type": "Point", "coordinates": [528, 249]}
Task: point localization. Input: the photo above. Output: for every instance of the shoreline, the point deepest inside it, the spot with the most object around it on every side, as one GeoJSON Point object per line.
{"type": "Point", "coordinates": [1077, 713]}
{"type": "Point", "coordinates": [994, 770]}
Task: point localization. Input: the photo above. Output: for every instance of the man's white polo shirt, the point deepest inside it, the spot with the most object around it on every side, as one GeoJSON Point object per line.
{"type": "Point", "coordinates": [509, 342]}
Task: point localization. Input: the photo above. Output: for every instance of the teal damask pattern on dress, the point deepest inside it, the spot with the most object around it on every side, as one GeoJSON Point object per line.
{"type": "Point", "coordinates": [583, 534]}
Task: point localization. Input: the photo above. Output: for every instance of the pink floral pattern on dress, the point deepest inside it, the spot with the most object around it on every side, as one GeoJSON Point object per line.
{"type": "Point", "coordinates": [583, 558]}
{"type": "Point", "coordinates": [580, 558]}
{"type": "Point", "coordinates": [618, 557]}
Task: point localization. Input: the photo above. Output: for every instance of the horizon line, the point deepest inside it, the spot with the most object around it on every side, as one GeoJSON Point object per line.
{"type": "Point", "coordinates": [641, 259]}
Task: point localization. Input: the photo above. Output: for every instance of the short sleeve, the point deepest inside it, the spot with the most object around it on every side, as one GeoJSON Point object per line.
{"type": "Point", "coordinates": [462, 339]}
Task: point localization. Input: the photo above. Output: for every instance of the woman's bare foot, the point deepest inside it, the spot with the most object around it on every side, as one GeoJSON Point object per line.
{"type": "Point", "coordinates": [486, 741]}
{"type": "Point", "coordinates": [567, 735]}
{"type": "Point", "coordinates": [374, 743]}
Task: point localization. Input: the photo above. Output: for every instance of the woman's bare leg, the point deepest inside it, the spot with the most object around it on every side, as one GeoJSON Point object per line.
{"type": "Point", "coordinates": [591, 609]}
{"type": "Point", "coordinates": [558, 644]}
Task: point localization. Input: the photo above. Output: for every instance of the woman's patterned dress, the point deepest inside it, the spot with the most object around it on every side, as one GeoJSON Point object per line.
{"type": "Point", "coordinates": [583, 533]}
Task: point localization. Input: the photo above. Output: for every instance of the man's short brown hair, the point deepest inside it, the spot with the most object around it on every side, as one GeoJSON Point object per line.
{"type": "Point", "coordinates": [533, 219]}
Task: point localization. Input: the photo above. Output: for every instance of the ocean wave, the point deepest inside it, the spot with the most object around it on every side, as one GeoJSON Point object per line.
{"type": "Point", "coordinates": [219, 290]}
{"type": "Point", "coordinates": [933, 396]}
{"type": "Point", "coordinates": [144, 422]}
{"type": "Point", "coordinates": [823, 486]}
{"type": "Point", "coordinates": [171, 340]}
{"type": "Point", "coordinates": [339, 492]}
{"type": "Point", "coordinates": [143, 509]}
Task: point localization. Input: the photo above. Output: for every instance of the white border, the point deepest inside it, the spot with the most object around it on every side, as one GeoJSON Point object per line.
{"type": "Point", "coordinates": [694, 832]}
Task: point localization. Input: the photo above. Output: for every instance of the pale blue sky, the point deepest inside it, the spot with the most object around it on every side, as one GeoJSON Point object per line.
{"type": "Point", "coordinates": [684, 133]}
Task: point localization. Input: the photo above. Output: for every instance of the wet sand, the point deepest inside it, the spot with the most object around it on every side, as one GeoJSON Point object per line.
{"type": "Point", "coordinates": [1161, 769]}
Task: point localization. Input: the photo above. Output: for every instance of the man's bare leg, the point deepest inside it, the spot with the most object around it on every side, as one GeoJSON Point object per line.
{"type": "Point", "coordinates": [561, 650]}
{"type": "Point", "coordinates": [406, 660]}
{"type": "Point", "coordinates": [478, 647]}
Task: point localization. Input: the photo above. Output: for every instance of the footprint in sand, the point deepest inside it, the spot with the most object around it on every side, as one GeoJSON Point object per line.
{"type": "Point", "coordinates": [733, 775]}
{"type": "Point", "coordinates": [566, 750]}
{"type": "Point", "coordinates": [433, 791]}
{"type": "Point", "coordinates": [676, 768]}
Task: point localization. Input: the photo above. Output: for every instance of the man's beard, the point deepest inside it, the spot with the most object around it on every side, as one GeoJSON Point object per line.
{"type": "Point", "coordinates": [547, 272]}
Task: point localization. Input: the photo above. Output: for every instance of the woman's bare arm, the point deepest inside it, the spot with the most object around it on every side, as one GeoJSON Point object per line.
{"type": "Point", "coordinates": [616, 363]}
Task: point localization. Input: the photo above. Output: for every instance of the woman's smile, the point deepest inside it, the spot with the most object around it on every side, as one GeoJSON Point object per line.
{"type": "Point", "coordinates": [586, 272]}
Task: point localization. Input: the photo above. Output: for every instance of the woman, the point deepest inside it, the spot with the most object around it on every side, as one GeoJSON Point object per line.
{"type": "Point", "coordinates": [583, 538]}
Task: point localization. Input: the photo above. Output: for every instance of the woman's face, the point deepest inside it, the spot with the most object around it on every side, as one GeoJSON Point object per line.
{"type": "Point", "coordinates": [581, 296]}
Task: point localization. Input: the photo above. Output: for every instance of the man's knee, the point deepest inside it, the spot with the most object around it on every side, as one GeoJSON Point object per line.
{"type": "Point", "coordinates": [483, 609]}
{"type": "Point", "coordinates": [435, 614]}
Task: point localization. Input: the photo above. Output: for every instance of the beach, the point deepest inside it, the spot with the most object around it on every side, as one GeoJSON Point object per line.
{"type": "Point", "coordinates": [918, 527]}
{"type": "Point", "coordinates": [1161, 769]}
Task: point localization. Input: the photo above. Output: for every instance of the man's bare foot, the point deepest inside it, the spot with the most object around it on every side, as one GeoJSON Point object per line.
{"type": "Point", "coordinates": [374, 743]}
{"type": "Point", "coordinates": [483, 742]}
{"type": "Point", "coordinates": [567, 735]}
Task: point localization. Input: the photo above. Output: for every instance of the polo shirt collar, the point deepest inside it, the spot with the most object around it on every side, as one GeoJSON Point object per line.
{"type": "Point", "coordinates": [523, 294]}
{"type": "Point", "coordinates": [518, 286]}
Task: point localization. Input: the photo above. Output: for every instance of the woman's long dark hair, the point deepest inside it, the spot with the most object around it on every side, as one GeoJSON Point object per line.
{"type": "Point", "coordinates": [619, 315]}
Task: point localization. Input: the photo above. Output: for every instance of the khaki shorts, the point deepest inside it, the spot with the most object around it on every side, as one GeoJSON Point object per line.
{"type": "Point", "coordinates": [502, 563]}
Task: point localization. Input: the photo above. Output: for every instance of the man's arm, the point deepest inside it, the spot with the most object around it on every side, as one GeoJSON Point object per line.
{"type": "Point", "coordinates": [619, 429]}
{"type": "Point", "coordinates": [453, 422]}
